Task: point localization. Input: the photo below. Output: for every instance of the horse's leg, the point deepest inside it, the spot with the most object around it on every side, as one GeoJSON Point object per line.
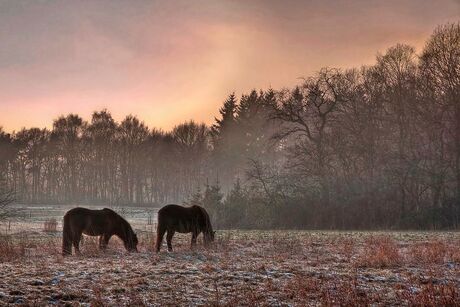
{"type": "Point", "coordinates": [169, 237]}
{"type": "Point", "coordinates": [194, 235]}
{"type": "Point", "coordinates": [104, 241]}
{"type": "Point", "coordinates": [76, 243]}
{"type": "Point", "coordinates": [101, 242]}
{"type": "Point", "coordinates": [160, 235]}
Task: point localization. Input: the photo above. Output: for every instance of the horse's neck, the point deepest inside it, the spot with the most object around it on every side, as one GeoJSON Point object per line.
{"type": "Point", "coordinates": [123, 230]}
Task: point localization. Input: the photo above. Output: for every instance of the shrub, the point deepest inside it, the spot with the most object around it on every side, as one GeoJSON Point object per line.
{"type": "Point", "coordinates": [380, 252]}
{"type": "Point", "coordinates": [432, 295]}
{"type": "Point", "coordinates": [7, 250]}
{"type": "Point", "coordinates": [428, 252]}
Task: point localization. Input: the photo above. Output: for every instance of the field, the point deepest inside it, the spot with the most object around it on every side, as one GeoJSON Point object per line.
{"type": "Point", "coordinates": [268, 268]}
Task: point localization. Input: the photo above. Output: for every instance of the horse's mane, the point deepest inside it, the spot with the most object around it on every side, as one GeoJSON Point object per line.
{"type": "Point", "coordinates": [206, 217]}
{"type": "Point", "coordinates": [109, 210]}
{"type": "Point", "coordinates": [124, 222]}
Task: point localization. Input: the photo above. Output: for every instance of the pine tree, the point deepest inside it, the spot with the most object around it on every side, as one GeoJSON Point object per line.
{"type": "Point", "coordinates": [212, 201]}
{"type": "Point", "coordinates": [227, 112]}
{"type": "Point", "coordinates": [235, 206]}
{"type": "Point", "coordinates": [248, 107]}
{"type": "Point", "coordinates": [226, 156]}
{"type": "Point", "coordinates": [253, 123]}
{"type": "Point", "coordinates": [197, 198]}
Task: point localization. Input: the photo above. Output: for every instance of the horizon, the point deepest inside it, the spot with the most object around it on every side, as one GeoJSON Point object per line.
{"type": "Point", "coordinates": [170, 63]}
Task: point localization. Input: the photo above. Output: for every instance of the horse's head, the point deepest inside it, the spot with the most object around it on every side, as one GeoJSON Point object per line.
{"type": "Point", "coordinates": [209, 236]}
{"type": "Point", "coordinates": [131, 243]}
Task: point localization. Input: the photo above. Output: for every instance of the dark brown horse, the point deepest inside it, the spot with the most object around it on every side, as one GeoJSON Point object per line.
{"type": "Point", "coordinates": [104, 223]}
{"type": "Point", "coordinates": [194, 219]}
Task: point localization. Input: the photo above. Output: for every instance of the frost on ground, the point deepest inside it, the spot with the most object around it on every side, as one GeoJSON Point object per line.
{"type": "Point", "coordinates": [271, 268]}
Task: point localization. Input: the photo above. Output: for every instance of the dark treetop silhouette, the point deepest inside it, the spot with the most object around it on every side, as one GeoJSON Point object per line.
{"type": "Point", "coordinates": [104, 223]}
{"type": "Point", "coordinates": [194, 219]}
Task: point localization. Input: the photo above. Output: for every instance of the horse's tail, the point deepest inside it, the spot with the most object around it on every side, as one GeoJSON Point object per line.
{"type": "Point", "coordinates": [66, 237]}
{"type": "Point", "coordinates": [159, 234]}
{"type": "Point", "coordinates": [207, 220]}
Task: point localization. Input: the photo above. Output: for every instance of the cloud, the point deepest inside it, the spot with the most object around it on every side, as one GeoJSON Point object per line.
{"type": "Point", "coordinates": [172, 61]}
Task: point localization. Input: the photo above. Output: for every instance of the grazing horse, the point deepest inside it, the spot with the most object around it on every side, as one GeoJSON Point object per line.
{"type": "Point", "coordinates": [104, 223]}
{"type": "Point", "coordinates": [194, 219]}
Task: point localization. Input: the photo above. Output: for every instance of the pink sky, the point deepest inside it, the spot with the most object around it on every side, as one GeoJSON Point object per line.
{"type": "Point", "coordinates": [168, 62]}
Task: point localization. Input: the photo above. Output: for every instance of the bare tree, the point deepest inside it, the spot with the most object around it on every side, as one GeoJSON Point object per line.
{"type": "Point", "coordinates": [307, 113]}
{"type": "Point", "coordinates": [397, 71]}
{"type": "Point", "coordinates": [440, 65]}
{"type": "Point", "coordinates": [192, 143]}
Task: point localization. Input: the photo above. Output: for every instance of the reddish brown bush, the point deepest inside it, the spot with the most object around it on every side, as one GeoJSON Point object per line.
{"type": "Point", "coordinates": [433, 252]}
{"type": "Point", "coordinates": [379, 252]}
{"type": "Point", "coordinates": [346, 247]}
{"type": "Point", "coordinates": [7, 249]}
{"type": "Point", "coordinates": [432, 295]}
{"type": "Point", "coordinates": [344, 294]}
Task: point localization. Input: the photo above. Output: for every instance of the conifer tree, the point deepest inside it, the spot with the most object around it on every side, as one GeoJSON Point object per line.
{"type": "Point", "coordinates": [212, 201]}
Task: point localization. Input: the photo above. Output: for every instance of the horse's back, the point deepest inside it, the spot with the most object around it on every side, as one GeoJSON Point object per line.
{"type": "Point", "coordinates": [180, 218]}
{"type": "Point", "coordinates": [177, 211]}
{"type": "Point", "coordinates": [84, 213]}
{"type": "Point", "coordinates": [91, 222]}
{"type": "Point", "coordinates": [173, 210]}
{"type": "Point", "coordinates": [77, 211]}
{"type": "Point", "coordinates": [77, 214]}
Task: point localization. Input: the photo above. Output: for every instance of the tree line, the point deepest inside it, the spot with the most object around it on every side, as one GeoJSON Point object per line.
{"type": "Point", "coordinates": [370, 147]}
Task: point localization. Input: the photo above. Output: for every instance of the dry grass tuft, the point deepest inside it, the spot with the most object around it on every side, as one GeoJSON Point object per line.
{"type": "Point", "coordinates": [50, 225]}
{"type": "Point", "coordinates": [344, 294]}
{"type": "Point", "coordinates": [89, 247]}
{"type": "Point", "coordinates": [147, 241]}
{"type": "Point", "coordinates": [51, 246]}
{"type": "Point", "coordinates": [305, 290]}
{"type": "Point", "coordinates": [15, 249]}
{"type": "Point", "coordinates": [453, 252]}
{"type": "Point", "coordinates": [379, 252]}
{"type": "Point", "coordinates": [433, 252]}
{"type": "Point", "coordinates": [222, 241]}
{"type": "Point", "coordinates": [432, 295]}
{"type": "Point", "coordinates": [302, 289]}
{"type": "Point", "coordinates": [346, 247]}
{"type": "Point", "coordinates": [286, 244]}
{"type": "Point", "coordinates": [8, 250]}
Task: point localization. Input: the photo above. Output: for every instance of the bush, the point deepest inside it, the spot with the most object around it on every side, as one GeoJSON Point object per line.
{"type": "Point", "coordinates": [380, 252]}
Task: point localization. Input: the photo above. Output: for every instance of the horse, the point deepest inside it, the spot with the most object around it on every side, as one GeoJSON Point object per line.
{"type": "Point", "coordinates": [104, 223]}
{"type": "Point", "coordinates": [194, 219]}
